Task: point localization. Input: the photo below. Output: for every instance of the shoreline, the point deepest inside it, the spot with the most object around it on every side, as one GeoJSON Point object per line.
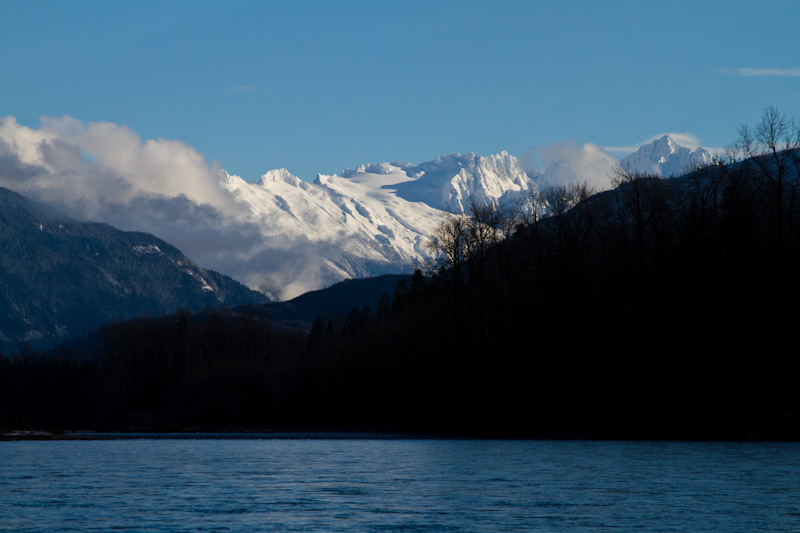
{"type": "Point", "coordinates": [88, 435]}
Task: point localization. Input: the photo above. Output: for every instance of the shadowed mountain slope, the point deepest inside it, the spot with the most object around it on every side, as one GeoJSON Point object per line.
{"type": "Point", "coordinates": [332, 304]}
{"type": "Point", "coordinates": [60, 277]}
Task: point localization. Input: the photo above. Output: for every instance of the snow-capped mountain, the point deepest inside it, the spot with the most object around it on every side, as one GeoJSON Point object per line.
{"type": "Point", "coordinates": [376, 219]}
{"type": "Point", "coordinates": [372, 220]}
{"type": "Point", "coordinates": [665, 157]}
{"type": "Point", "coordinates": [451, 182]}
{"type": "Point", "coordinates": [279, 234]}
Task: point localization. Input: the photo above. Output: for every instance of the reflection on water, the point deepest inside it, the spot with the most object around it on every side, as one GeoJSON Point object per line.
{"type": "Point", "coordinates": [379, 485]}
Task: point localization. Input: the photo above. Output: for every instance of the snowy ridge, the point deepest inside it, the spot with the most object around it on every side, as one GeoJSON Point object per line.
{"type": "Point", "coordinates": [450, 182]}
{"type": "Point", "coordinates": [371, 220]}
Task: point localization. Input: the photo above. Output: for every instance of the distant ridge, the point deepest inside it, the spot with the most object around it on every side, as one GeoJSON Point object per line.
{"type": "Point", "coordinates": [331, 304]}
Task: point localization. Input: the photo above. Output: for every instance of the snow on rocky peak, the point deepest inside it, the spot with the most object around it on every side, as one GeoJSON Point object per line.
{"type": "Point", "coordinates": [371, 220]}
{"type": "Point", "coordinates": [451, 182]}
{"type": "Point", "coordinates": [665, 157]}
{"type": "Point", "coordinates": [278, 175]}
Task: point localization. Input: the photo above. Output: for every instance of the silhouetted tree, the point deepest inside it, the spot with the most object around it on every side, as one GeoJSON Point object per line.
{"type": "Point", "coordinates": [771, 149]}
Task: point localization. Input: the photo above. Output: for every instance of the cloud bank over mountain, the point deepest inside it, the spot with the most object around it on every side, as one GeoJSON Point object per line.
{"type": "Point", "coordinates": [564, 162]}
{"type": "Point", "coordinates": [105, 172]}
{"type": "Point", "coordinates": [100, 162]}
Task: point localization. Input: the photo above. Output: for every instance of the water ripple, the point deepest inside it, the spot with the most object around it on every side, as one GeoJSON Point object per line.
{"type": "Point", "coordinates": [397, 485]}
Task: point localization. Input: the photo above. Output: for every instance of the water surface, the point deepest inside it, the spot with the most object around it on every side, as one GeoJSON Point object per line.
{"type": "Point", "coordinates": [398, 485]}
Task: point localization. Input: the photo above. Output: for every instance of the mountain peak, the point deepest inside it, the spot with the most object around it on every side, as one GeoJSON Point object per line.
{"type": "Point", "coordinates": [278, 175]}
{"type": "Point", "coordinates": [665, 157]}
{"type": "Point", "coordinates": [667, 143]}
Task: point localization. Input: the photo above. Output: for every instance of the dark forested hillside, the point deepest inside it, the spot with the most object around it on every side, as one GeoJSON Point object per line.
{"type": "Point", "coordinates": [663, 308]}
{"type": "Point", "coordinates": [60, 277]}
{"type": "Point", "coordinates": [660, 309]}
{"type": "Point", "coordinates": [332, 304]}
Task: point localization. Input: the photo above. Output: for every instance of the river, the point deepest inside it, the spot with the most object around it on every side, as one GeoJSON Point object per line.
{"type": "Point", "coordinates": [366, 484]}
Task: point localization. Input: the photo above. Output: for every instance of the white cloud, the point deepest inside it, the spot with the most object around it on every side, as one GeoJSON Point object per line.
{"type": "Point", "coordinates": [156, 167]}
{"type": "Point", "coordinates": [751, 72]}
{"type": "Point", "coordinates": [565, 162]}
{"type": "Point", "coordinates": [105, 172]}
{"type": "Point", "coordinates": [101, 160]}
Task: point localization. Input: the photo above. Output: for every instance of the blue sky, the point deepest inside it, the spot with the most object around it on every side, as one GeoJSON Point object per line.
{"type": "Point", "coordinates": [316, 86]}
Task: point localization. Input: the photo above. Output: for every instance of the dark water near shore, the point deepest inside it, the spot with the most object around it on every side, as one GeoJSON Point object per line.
{"type": "Point", "coordinates": [398, 485]}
